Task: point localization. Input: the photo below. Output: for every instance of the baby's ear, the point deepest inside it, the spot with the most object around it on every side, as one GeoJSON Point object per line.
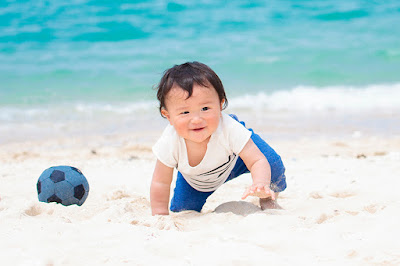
{"type": "Point", "coordinates": [222, 104]}
{"type": "Point", "coordinates": [165, 113]}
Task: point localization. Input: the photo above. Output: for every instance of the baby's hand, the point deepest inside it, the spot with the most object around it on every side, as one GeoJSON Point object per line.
{"type": "Point", "coordinates": [260, 190]}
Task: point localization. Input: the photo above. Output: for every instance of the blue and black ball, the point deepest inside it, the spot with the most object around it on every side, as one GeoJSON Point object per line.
{"type": "Point", "coordinates": [63, 184]}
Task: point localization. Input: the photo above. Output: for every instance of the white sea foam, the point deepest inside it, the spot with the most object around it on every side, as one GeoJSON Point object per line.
{"type": "Point", "coordinates": [373, 109]}
{"type": "Point", "coordinates": [373, 98]}
{"type": "Point", "coordinates": [74, 111]}
{"type": "Point", "coordinates": [114, 108]}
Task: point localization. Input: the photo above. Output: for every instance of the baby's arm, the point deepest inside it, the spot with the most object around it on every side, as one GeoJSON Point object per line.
{"type": "Point", "coordinates": [160, 189]}
{"type": "Point", "coordinates": [260, 171]}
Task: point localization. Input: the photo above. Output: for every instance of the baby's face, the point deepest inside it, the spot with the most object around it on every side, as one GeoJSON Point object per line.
{"type": "Point", "coordinates": [194, 118]}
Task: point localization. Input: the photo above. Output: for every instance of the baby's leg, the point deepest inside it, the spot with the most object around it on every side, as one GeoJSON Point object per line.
{"type": "Point", "coordinates": [186, 198]}
{"type": "Point", "coordinates": [268, 203]}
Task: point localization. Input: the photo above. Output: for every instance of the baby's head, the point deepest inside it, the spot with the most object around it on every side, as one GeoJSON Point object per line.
{"type": "Point", "coordinates": [185, 76]}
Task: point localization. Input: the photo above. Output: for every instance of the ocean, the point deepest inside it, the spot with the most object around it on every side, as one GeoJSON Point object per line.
{"type": "Point", "coordinates": [90, 66]}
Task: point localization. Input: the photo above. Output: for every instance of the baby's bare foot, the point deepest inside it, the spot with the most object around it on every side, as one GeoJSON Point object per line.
{"type": "Point", "coordinates": [268, 203]}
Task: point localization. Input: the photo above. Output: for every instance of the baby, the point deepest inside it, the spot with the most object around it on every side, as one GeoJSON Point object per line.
{"type": "Point", "coordinates": [206, 146]}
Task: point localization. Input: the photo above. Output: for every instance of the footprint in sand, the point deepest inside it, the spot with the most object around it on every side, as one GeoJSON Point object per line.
{"type": "Point", "coordinates": [324, 217]}
{"type": "Point", "coordinates": [337, 194]}
{"type": "Point", "coordinates": [315, 195]}
{"type": "Point", "coordinates": [352, 254]}
{"type": "Point", "coordinates": [373, 208]}
{"type": "Point", "coordinates": [342, 194]}
{"type": "Point", "coordinates": [34, 210]}
{"type": "Point", "coordinates": [352, 213]}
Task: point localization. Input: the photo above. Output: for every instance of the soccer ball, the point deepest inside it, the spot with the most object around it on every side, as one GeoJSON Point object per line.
{"type": "Point", "coordinates": [63, 184]}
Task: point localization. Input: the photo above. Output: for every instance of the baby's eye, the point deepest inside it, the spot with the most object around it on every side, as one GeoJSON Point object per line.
{"type": "Point", "coordinates": [205, 108]}
{"type": "Point", "coordinates": [184, 112]}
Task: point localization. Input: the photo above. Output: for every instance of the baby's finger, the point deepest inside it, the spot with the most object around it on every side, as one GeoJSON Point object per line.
{"type": "Point", "coordinates": [246, 194]}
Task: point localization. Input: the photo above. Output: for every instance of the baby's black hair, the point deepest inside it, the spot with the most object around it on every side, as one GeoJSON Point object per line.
{"type": "Point", "coordinates": [187, 74]}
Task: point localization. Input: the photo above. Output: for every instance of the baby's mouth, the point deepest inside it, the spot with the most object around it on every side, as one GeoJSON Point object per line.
{"type": "Point", "coordinates": [198, 129]}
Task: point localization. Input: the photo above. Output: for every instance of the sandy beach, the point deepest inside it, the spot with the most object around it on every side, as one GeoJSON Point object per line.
{"type": "Point", "coordinates": [318, 80]}
{"type": "Point", "coordinates": [341, 207]}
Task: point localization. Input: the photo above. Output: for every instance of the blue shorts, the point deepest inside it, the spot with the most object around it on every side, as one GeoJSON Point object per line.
{"type": "Point", "coordinates": [187, 198]}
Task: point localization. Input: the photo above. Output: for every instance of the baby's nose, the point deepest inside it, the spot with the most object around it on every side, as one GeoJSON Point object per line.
{"type": "Point", "coordinates": [196, 119]}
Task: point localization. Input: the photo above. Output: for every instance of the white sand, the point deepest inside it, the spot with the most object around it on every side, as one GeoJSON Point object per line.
{"type": "Point", "coordinates": [341, 207]}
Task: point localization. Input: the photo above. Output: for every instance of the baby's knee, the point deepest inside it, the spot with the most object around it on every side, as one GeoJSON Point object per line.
{"type": "Point", "coordinates": [186, 205]}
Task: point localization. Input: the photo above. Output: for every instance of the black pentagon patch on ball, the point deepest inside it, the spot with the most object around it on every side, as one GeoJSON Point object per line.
{"type": "Point", "coordinates": [76, 169]}
{"type": "Point", "coordinates": [54, 198]}
{"type": "Point", "coordinates": [39, 187]}
{"type": "Point", "coordinates": [79, 192]}
{"type": "Point", "coordinates": [57, 176]}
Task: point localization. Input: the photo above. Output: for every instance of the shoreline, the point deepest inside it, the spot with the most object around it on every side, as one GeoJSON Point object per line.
{"type": "Point", "coordinates": [271, 125]}
{"type": "Point", "coordinates": [341, 111]}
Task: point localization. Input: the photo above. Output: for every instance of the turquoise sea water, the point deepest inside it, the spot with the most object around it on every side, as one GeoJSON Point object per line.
{"type": "Point", "coordinates": [67, 60]}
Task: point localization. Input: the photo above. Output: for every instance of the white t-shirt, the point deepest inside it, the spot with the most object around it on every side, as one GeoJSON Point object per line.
{"type": "Point", "coordinates": [222, 153]}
